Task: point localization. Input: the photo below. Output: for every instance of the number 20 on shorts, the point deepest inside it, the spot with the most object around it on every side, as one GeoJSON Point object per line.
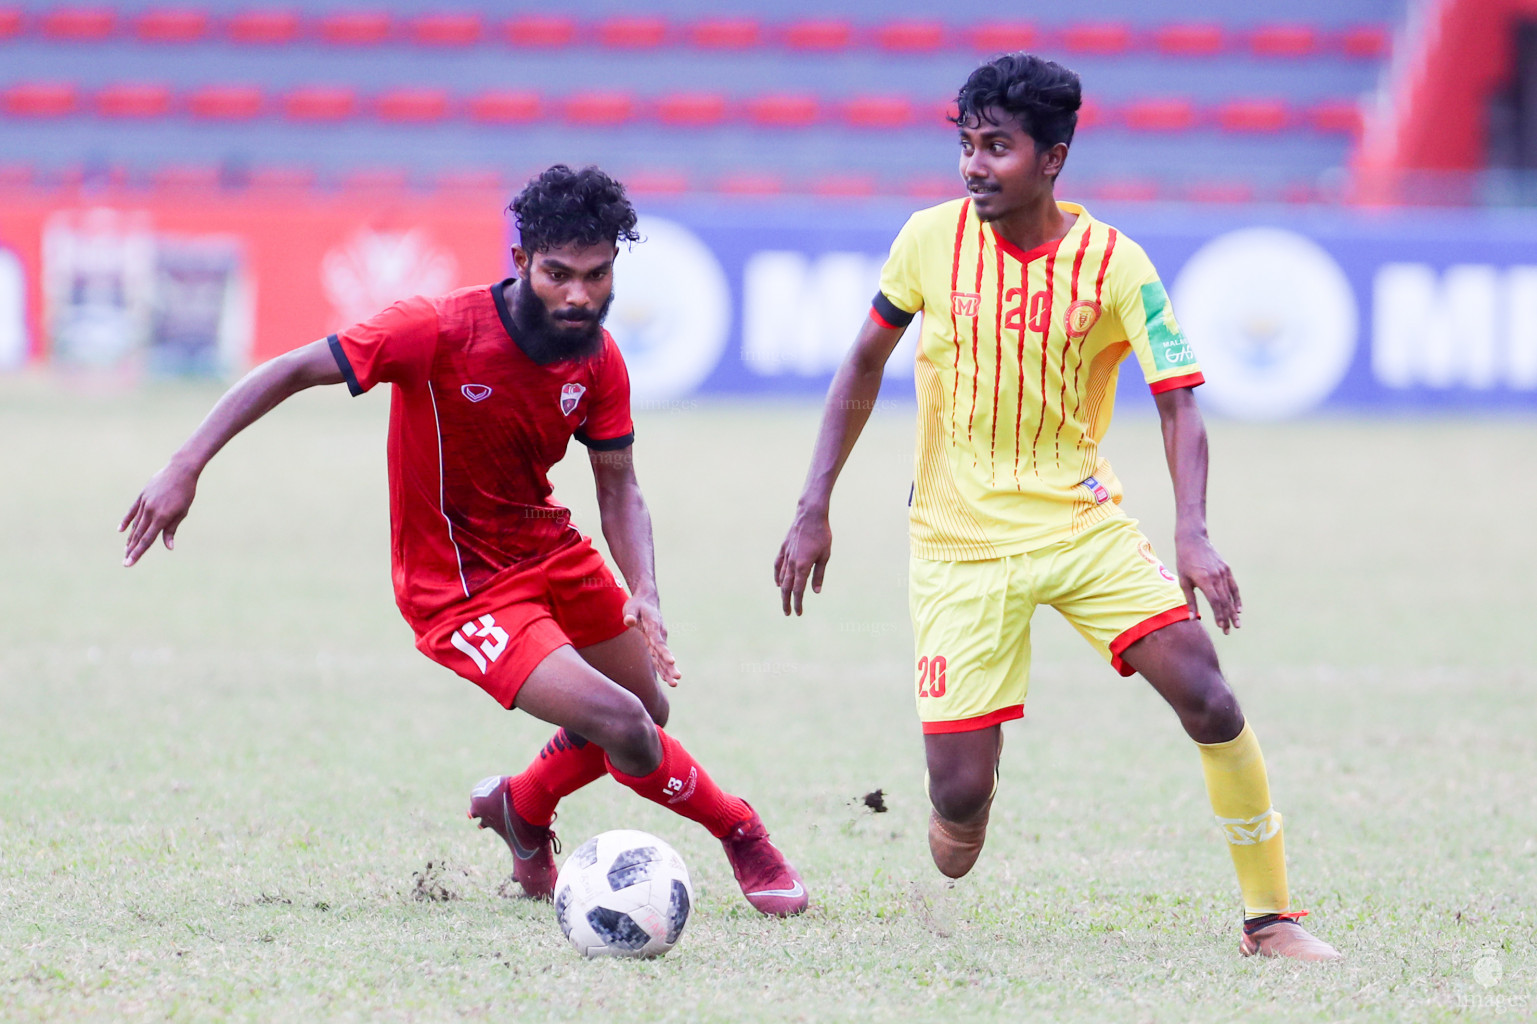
{"type": "Point", "coordinates": [931, 676]}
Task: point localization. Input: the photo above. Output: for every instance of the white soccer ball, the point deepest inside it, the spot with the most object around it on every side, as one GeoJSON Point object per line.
{"type": "Point", "coordinates": [623, 893]}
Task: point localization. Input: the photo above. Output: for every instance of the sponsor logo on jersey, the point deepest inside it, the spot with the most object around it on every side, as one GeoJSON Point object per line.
{"type": "Point", "coordinates": [1100, 491]}
{"type": "Point", "coordinates": [570, 394]}
{"type": "Point", "coordinates": [476, 392]}
{"type": "Point", "coordinates": [964, 303]}
{"type": "Point", "coordinates": [1146, 551]}
{"type": "Point", "coordinates": [1080, 318]}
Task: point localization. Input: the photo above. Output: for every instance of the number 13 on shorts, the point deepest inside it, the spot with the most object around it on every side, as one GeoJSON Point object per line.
{"type": "Point", "coordinates": [931, 676]}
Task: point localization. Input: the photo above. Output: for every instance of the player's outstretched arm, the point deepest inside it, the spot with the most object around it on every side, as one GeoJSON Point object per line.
{"type": "Point", "coordinates": [627, 529]}
{"type": "Point", "coordinates": [163, 504]}
{"type": "Point", "coordinates": [1200, 567]}
{"type": "Point", "coordinates": [803, 555]}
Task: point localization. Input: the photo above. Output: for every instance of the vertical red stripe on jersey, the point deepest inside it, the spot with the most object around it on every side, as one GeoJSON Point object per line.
{"type": "Point", "coordinates": [992, 455]}
{"type": "Point", "coordinates": [955, 328]}
{"type": "Point", "coordinates": [981, 250]}
{"type": "Point", "coordinates": [1019, 365]}
{"type": "Point", "coordinates": [1104, 265]}
{"type": "Point", "coordinates": [1072, 297]}
{"type": "Point", "coordinates": [1040, 424]}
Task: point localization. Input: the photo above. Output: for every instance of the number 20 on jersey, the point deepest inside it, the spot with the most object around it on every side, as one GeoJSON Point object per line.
{"type": "Point", "coordinates": [931, 676]}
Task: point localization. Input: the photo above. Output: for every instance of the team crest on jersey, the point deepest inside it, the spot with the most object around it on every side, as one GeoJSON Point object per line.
{"type": "Point", "coordinates": [964, 303]}
{"type": "Point", "coordinates": [570, 394]}
{"type": "Point", "coordinates": [476, 392]}
{"type": "Point", "coordinates": [1146, 551]}
{"type": "Point", "coordinates": [1080, 318]}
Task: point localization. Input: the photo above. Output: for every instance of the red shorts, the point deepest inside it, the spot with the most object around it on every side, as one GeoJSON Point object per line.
{"type": "Point", "coordinates": [498, 636]}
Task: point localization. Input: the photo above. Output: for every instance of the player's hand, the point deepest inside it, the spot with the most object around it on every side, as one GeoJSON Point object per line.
{"type": "Point", "coordinates": [802, 557]}
{"type": "Point", "coordinates": [1201, 568]}
{"type": "Point", "coordinates": [158, 510]}
{"type": "Point", "coordinates": [643, 613]}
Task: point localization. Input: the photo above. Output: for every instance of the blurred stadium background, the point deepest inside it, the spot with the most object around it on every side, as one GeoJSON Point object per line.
{"type": "Point", "coordinates": [1332, 189]}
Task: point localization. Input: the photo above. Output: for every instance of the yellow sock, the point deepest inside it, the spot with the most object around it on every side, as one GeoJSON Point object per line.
{"type": "Point", "coordinates": [1240, 797]}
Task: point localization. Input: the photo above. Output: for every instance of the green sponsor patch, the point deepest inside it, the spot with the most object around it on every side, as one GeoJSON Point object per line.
{"type": "Point", "coordinates": [1170, 349]}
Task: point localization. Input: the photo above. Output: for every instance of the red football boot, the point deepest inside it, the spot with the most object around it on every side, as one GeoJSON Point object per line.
{"type": "Point", "coordinates": [533, 848]}
{"type": "Point", "coordinates": [768, 881]}
{"type": "Point", "coordinates": [1283, 936]}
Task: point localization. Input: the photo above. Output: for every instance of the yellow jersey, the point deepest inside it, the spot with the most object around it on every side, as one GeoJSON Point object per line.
{"type": "Point", "coordinates": [1016, 373]}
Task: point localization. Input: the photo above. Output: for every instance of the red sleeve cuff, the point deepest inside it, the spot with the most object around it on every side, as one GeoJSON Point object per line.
{"type": "Point", "coordinates": [876, 316]}
{"type": "Point", "coordinates": [1188, 380]}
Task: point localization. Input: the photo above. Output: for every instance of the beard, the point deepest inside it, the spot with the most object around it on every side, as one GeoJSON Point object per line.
{"type": "Point", "coordinates": [547, 337]}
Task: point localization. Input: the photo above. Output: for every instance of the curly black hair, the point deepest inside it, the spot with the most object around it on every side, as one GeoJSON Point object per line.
{"type": "Point", "coordinates": [563, 206]}
{"type": "Point", "coordinates": [1043, 95]}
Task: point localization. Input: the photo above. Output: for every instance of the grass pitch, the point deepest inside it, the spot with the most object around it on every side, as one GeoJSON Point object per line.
{"type": "Point", "coordinates": [232, 789]}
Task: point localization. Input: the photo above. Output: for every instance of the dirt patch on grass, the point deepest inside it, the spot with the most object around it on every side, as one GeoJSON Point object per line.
{"type": "Point", "coordinates": [436, 883]}
{"type": "Point", "coordinates": [875, 800]}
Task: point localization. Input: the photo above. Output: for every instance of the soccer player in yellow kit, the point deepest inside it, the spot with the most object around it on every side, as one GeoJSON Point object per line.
{"type": "Point", "coordinates": [1029, 306]}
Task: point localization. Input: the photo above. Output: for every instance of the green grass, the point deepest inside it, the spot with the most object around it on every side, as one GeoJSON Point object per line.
{"type": "Point", "coordinates": [226, 772]}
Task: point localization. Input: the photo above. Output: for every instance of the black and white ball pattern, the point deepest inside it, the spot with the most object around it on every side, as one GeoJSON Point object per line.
{"type": "Point", "coordinates": [623, 893]}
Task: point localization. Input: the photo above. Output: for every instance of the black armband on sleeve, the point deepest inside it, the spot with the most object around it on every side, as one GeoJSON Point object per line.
{"type": "Point", "coordinates": [345, 365]}
{"type": "Point", "coordinates": [889, 313]}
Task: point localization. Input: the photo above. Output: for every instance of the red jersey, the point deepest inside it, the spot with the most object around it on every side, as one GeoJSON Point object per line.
{"type": "Point", "coordinates": [475, 426]}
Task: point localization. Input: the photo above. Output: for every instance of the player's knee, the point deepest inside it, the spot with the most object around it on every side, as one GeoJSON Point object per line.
{"type": "Point", "coordinates": [659, 708]}
{"type": "Point", "coordinates": [961, 795]}
{"type": "Point", "coordinates": [630, 736]}
{"type": "Point", "coordinates": [1210, 712]}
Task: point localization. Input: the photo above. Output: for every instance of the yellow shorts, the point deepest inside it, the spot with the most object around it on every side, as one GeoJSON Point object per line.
{"type": "Point", "coordinates": [971, 620]}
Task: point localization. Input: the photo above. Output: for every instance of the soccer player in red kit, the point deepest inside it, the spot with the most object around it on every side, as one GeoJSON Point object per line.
{"type": "Point", "coordinates": [490, 384]}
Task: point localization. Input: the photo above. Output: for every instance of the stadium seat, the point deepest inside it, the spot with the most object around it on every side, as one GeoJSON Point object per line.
{"type": "Point", "coordinates": [878, 111]}
{"type": "Point", "coordinates": [819, 36]}
{"type": "Point", "coordinates": [41, 99]}
{"type": "Point", "coordinates": [725, 34]}
{"type": "Point", "coordinates": [910, 36]}
{"type": "Point", "coordinates": [750, 183]}
{"type": "Point", "coordinates": [1336, 117]}
{"type": "Point", "coordinates": [263, 27]}
{"type": "Point", "coordinates": [1092, 115]}
{"type": "Point", "coordinates": [691, 108]}
{"type": "Point", "coordinates": [783, 110]}
{"type": "Point", "coordinates": [1284, 41]}
{"type": "Point", "coordinates": [1255, 116]}
{"type": "Point", "coordinates": [78, 23]}
{"type": "Point", "coordinates": [449, 29]}
{"type": "Point", "coordinates": [540, 31]}
{"type": "Point", "coordinates": [226, 102]}
{"type": "Point", "coordinates": [320, 103]}
{"type": "Point", "coordinates": [186, 178]}
{"type": "Point", "coordinates": [933, 186]}
{"type": "Point", "coordinates": [355, 28]}
{"type": "Point", "coordinates": [133, 100]}
{"type": "Point", "coordinates": [17, 175]}
{"type": "Point", "coordinates": [1100, 39]}
{"type": "Point", "coordinates": [505, 106]}
{"type": "Point", "coordinates": [469, 179]}
{"type": "Point", "coordinates": [412, 106]}
{"type": "Point", "coordinates": [1219, 192]}
{"type": "Point", "coordinates": [1126, 190]}
{"type": "Point", "coordinates": [841, 186]}
{"type": "Point", "coordinates": [658, 183]}
{"type": "Point", "coordinates": [1159, 115]}
{"type": "Point", "coordinates": [10, 22]}
{"type": "Point", "coordinates": [1299, 192]}
{"type": "Point", "coordinates": [93, 175]}
{"type": "Point", "coordinates": [375, 179]}
{"type": "Point", "coordinates": [1366, 42]}
{"type": "Point", "coordinates": [1189, 40]}
{"type": "Point", "coordinates": [279, 178]}
{"type": "Point", "coordinates": [632, 33]}
{"type": "Point", "coordinates": [602, 108]}
{"type": "Point", "coordinates": [1003, 36]}
{"type": "Point", "coordinates": [171, 25]}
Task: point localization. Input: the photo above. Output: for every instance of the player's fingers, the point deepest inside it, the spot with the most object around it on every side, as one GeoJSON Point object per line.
{"type": "Point", "coordinates": [1189, 589]}
{"type": "Point", "coordinates": [142, 528]}
{"type": "Point", "coordinates": [140, 545]}
{"type": "Point", "coordinates": [799, 589]}
{"type": "Point", "coordinates": [786, 586]}
{"type": "Point", "coordinates": [779, 563]}
{"type": "Point", "coordinates": [818, 570]}
{"type": "Point", "coordinates": [133, 510]}
{"type": "Point", "coordinates": [1221, 602]}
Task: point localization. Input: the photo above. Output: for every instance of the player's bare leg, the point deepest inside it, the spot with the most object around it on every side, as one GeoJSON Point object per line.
{"type": "Point", "coordinates": [962, 779]}
{"type": "Point", "coordinates": [1181, 664]}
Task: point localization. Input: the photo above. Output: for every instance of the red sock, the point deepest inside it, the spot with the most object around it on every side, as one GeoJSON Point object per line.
{"type": "Point", "coordinates": [681, 785]}
{"type": "Point", "coordinates": [566, 764]}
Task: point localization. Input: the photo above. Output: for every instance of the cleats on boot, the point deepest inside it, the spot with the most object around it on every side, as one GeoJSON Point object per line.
{"type": "Point", "coordinates": [1283, 936]}
{"type": "Point", "coordinates": [770, 883]}
{"type": "Point", "coordinates": [533, 848]}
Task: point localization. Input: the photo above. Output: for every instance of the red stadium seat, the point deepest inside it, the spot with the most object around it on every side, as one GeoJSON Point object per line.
{"type": "Point", "coordinates": [375, 179]}
{"type": "Point", "coordinates": [1336, 117]}
{"type": "Point", "coordinates": [1127, 190]}
{"type": "Point", "coordinates": [691, 108]}
{"type": "Point", "coordinates": [1220, 192]}
{"type": "Point", "coordinates": [878, 111]}
{"type": "Point", "coordinates": [1003, 36]}
{"type": "Point", "coordinates": [412, 106]}
{"type": "Point", "coordinates": [1189, 40]}
{"type": "Point", "coordinates": [263, 27]}
{"type": "Point", "coordinates": [226, 102]}
{"type": "Point", "coordinates": [540, 31]}
{"type": "Point", "coordinates": [1284, 41]}
{"type": "Point", "coordinates": [658, 183]}
{"type": "Point", "coordinates": [911, 36]}
{"type": "Point", "coordinates": [171, 25]}
{"type": "Point", "coordinates": [783, 110]}
{"type": "Point", "coordinates": [279, 178]}
{"type": "Point", "coordinates": [505, 106]}
{"type": "Point", "coordinates": [1367, 42]}
{"type": "Point", "coordinates": [41, 99]}
{"type": "Point", "coordinates": [725, 34]}
{"type": "Point", "coordinates": [841, 186]}
{"type": "Point", "coordinates": [1254, 116]}
{"type": "Point", "coordinates": [751, 183]}
{"type": "Point", "coordinates": [447, 29]}
{"type": "Point", "coordinates": [1104, 38]}
{"type": "Point", "coordinates": [78, 23]}
{"type": "Point", "coordinates": [1092, 114]}
{"type": "Point", "coordinates": [17, 175]}
{"type": "Point", "coordinates": [632, 33]}
{"type": "Point", "coordinates": [1300, 192]}
{"type": "Point", "coordinates": [933, 186]}
{"type": "Point", "coordinates": [605, 108]}
{"type": "Point", "coordinates": [186, 178]}
{"type": "Point", "coordinates": [464, 179]}
{"type": "Point", "coordinates": [818, 35]}
{"type": "Point", "coordinates": [355, 28]}
{"type": "Point", "coordinates": [135, 100]}
{"type": "Point", "coordinates": [10, 22]}
{"type": "Point", "coordinates": [320, 103]}
{"type": "Point", "coordinates": [1159, 115]}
